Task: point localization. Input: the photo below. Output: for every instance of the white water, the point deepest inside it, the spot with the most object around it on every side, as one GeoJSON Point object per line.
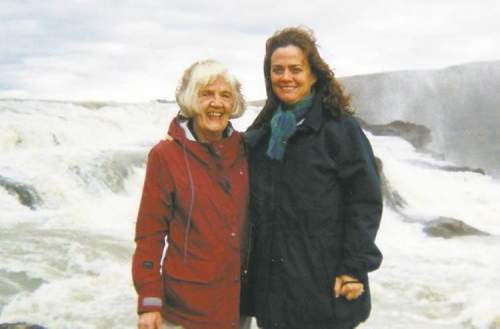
{"type": "Point", "coordinates": [429, 282]}
{"type": "Point", "coordinates": [66, 264]}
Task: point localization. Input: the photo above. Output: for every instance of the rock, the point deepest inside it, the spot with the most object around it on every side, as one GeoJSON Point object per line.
{"type": "Point", "coordinates": [110, 168]}
{"type": "Point", "coordinates": [495, 324]}
{"type": "Point", "coordinates": [393, 198]}
{"type": "Point", "coordinates": [417, 135]}
{"type": "Point", "coordinates": [448, 167]}
{"type": "Point", "coordinates": [92, 105]}
{"type": "Point", "coordinates": [447, 228]}
{"type": "Point", "coordinates": [26, 194]}
{"type": "Point", "coordinates": [460, 104]}
{"type": "Point", "coordinates": [20, 325]}
{"type": "Point", "coordinates": [380, 165]}
{"type": "Point", "coordinates": [463, 169]}
{"type": "Point", "coordinates": [165, 101]}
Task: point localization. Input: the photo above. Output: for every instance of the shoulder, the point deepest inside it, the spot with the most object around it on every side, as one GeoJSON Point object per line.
{"type": "Point", "coordinates": [162, 150]}
{"type": "Point", "coordinates": [346, 133]}
{"type": "Point", "coordinates": [350, 121]}
{"type": "Point", "coordinates": [345, 126]}
{"type": "Point", "coordinates": [344, 120]}
{"type": "Point", "coordinates": [238, 134]}
{"type": "Point", "coordinates": [162, 146]}
{"type": "Point", "coordinates": [253, 136]}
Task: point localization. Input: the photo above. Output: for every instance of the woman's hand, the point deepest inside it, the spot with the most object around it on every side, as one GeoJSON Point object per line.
{"type": "Point", "coordinates": [150, 320]}
{"type": "Point", "coordinates": [347, 286]}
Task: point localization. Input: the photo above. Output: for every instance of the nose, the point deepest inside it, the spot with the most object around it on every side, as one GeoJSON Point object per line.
{"type": "Point", "coordinates": [287, 75]}
{"type": "Point", "coordinates": [217, 101]}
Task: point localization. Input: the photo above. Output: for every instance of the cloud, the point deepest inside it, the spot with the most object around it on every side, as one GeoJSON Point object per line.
{"type": "Point", "coordinates": [130, 50]}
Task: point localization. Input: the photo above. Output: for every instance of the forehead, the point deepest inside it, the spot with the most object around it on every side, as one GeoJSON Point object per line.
{"type": "Point", "coordinates": [289, 55]}
{"type": "Point", "coordinates": [220, 83]}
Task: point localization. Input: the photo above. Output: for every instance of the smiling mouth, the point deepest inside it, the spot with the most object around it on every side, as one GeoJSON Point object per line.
{"type": "Point", "coordinates": [215, 114]}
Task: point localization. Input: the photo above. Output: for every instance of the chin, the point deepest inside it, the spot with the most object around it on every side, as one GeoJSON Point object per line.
{"type": "Point", "coordinates": [289, 101]}
{"type": "Point", "coordinates": [217, 130]}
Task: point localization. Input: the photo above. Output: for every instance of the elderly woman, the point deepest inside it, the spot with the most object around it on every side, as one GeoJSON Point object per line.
{"type": "Point", "coordinates": [315, 198]}
{"type": "Point", "coordinates": [186, 266]}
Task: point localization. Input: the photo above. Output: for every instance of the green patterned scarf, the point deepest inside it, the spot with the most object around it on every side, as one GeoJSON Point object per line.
{"type": "Point", "coordinates": [284, 125]}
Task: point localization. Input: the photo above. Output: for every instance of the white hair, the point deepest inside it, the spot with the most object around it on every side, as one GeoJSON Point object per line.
{"type": "Point", "coordinates": [199, 75]}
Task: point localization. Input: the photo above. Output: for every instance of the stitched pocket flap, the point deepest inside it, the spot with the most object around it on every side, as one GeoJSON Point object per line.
{"type": "Point", "coordinates": [200, 271]}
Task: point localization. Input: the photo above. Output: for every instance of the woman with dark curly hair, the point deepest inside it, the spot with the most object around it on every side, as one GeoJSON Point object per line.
{"type": "Point", "coordinates": [315, 199]}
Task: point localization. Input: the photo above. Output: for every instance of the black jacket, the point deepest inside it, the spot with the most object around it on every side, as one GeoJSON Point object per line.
{"type": "Point", "coordinates": [315, 216]}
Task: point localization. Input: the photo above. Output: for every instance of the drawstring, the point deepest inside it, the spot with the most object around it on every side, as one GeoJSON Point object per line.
{"type": "Point", "coordinates": [163, 253]}
{"type": "Point", "coordinates": [191, 203]}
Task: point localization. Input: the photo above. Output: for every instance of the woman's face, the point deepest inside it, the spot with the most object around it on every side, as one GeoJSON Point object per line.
{"type": "Point", "coordinates": [216, 103]}
{"type": "Point", "coordinates": [291, 76]}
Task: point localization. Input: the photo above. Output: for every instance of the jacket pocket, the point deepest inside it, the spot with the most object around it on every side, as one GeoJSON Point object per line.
{"type": "Point", "coordinates": [330, 259]}
{"type": "Point", "coordinates": [330, 253]}
{"type": "Point", "coordinates": [349, 311]}
{"type": "Point", "coordinates": [189, 286]}
{"type": "Point", "coordinates": [345, 311]}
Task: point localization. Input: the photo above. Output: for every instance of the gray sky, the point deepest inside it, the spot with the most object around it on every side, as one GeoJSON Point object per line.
{"type": "Point", "coordinates": [136, 50]}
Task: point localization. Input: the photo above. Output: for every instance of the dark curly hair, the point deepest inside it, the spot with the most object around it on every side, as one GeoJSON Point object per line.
{"type": "Point", "coordinates": [327, 87]}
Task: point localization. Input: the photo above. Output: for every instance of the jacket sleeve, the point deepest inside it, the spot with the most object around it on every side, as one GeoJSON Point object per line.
{"type": "Point", "coordinates": [362, 203]}
{"type": "Point", "coordinates": [151, 229]}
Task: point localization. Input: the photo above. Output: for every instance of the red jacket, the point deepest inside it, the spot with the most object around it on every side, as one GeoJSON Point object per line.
{"type": "Point", "coordinates": [195, 197]}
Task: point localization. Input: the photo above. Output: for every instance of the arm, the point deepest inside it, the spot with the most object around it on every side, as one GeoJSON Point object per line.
{"type": "Point", "coordinates": [151, 229]}
{"type": "Point", "coordinates": [362, 203]}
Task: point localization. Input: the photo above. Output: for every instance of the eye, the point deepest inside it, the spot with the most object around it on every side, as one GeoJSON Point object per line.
{"type": "Point", "coordinates": [277, 70]}
{"type": "Point", "coordinates": [296, 69]}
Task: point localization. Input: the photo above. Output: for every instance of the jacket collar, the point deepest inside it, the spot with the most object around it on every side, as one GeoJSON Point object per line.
{"type": "Point", "coordinates": [184, 123]}
{"type": "Point", "coordinates": [314, 116]}
{"type": "Point", "coordinates": [227, 150]}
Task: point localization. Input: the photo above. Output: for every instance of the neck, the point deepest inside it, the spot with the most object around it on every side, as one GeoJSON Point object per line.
{"type": "Point", "coordinates": [206, 136]}
{"type": "Point", "coordinates": [305, 101]}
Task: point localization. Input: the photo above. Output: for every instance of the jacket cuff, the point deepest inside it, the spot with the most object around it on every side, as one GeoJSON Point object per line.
{"type": "Point", "coordinates": [345, 270]}
{"type": "Point", "coordinates": [150, 298]}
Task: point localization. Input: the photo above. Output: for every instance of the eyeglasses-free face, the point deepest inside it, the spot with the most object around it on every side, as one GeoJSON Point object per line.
{"type": "Point", "coordinates": [216, 104]}
{"type": "Point", "coordinates": [291, 76]}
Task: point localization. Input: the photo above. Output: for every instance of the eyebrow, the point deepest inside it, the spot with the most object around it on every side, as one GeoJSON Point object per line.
{"type": "Point", "coordinates": [289, 65]}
